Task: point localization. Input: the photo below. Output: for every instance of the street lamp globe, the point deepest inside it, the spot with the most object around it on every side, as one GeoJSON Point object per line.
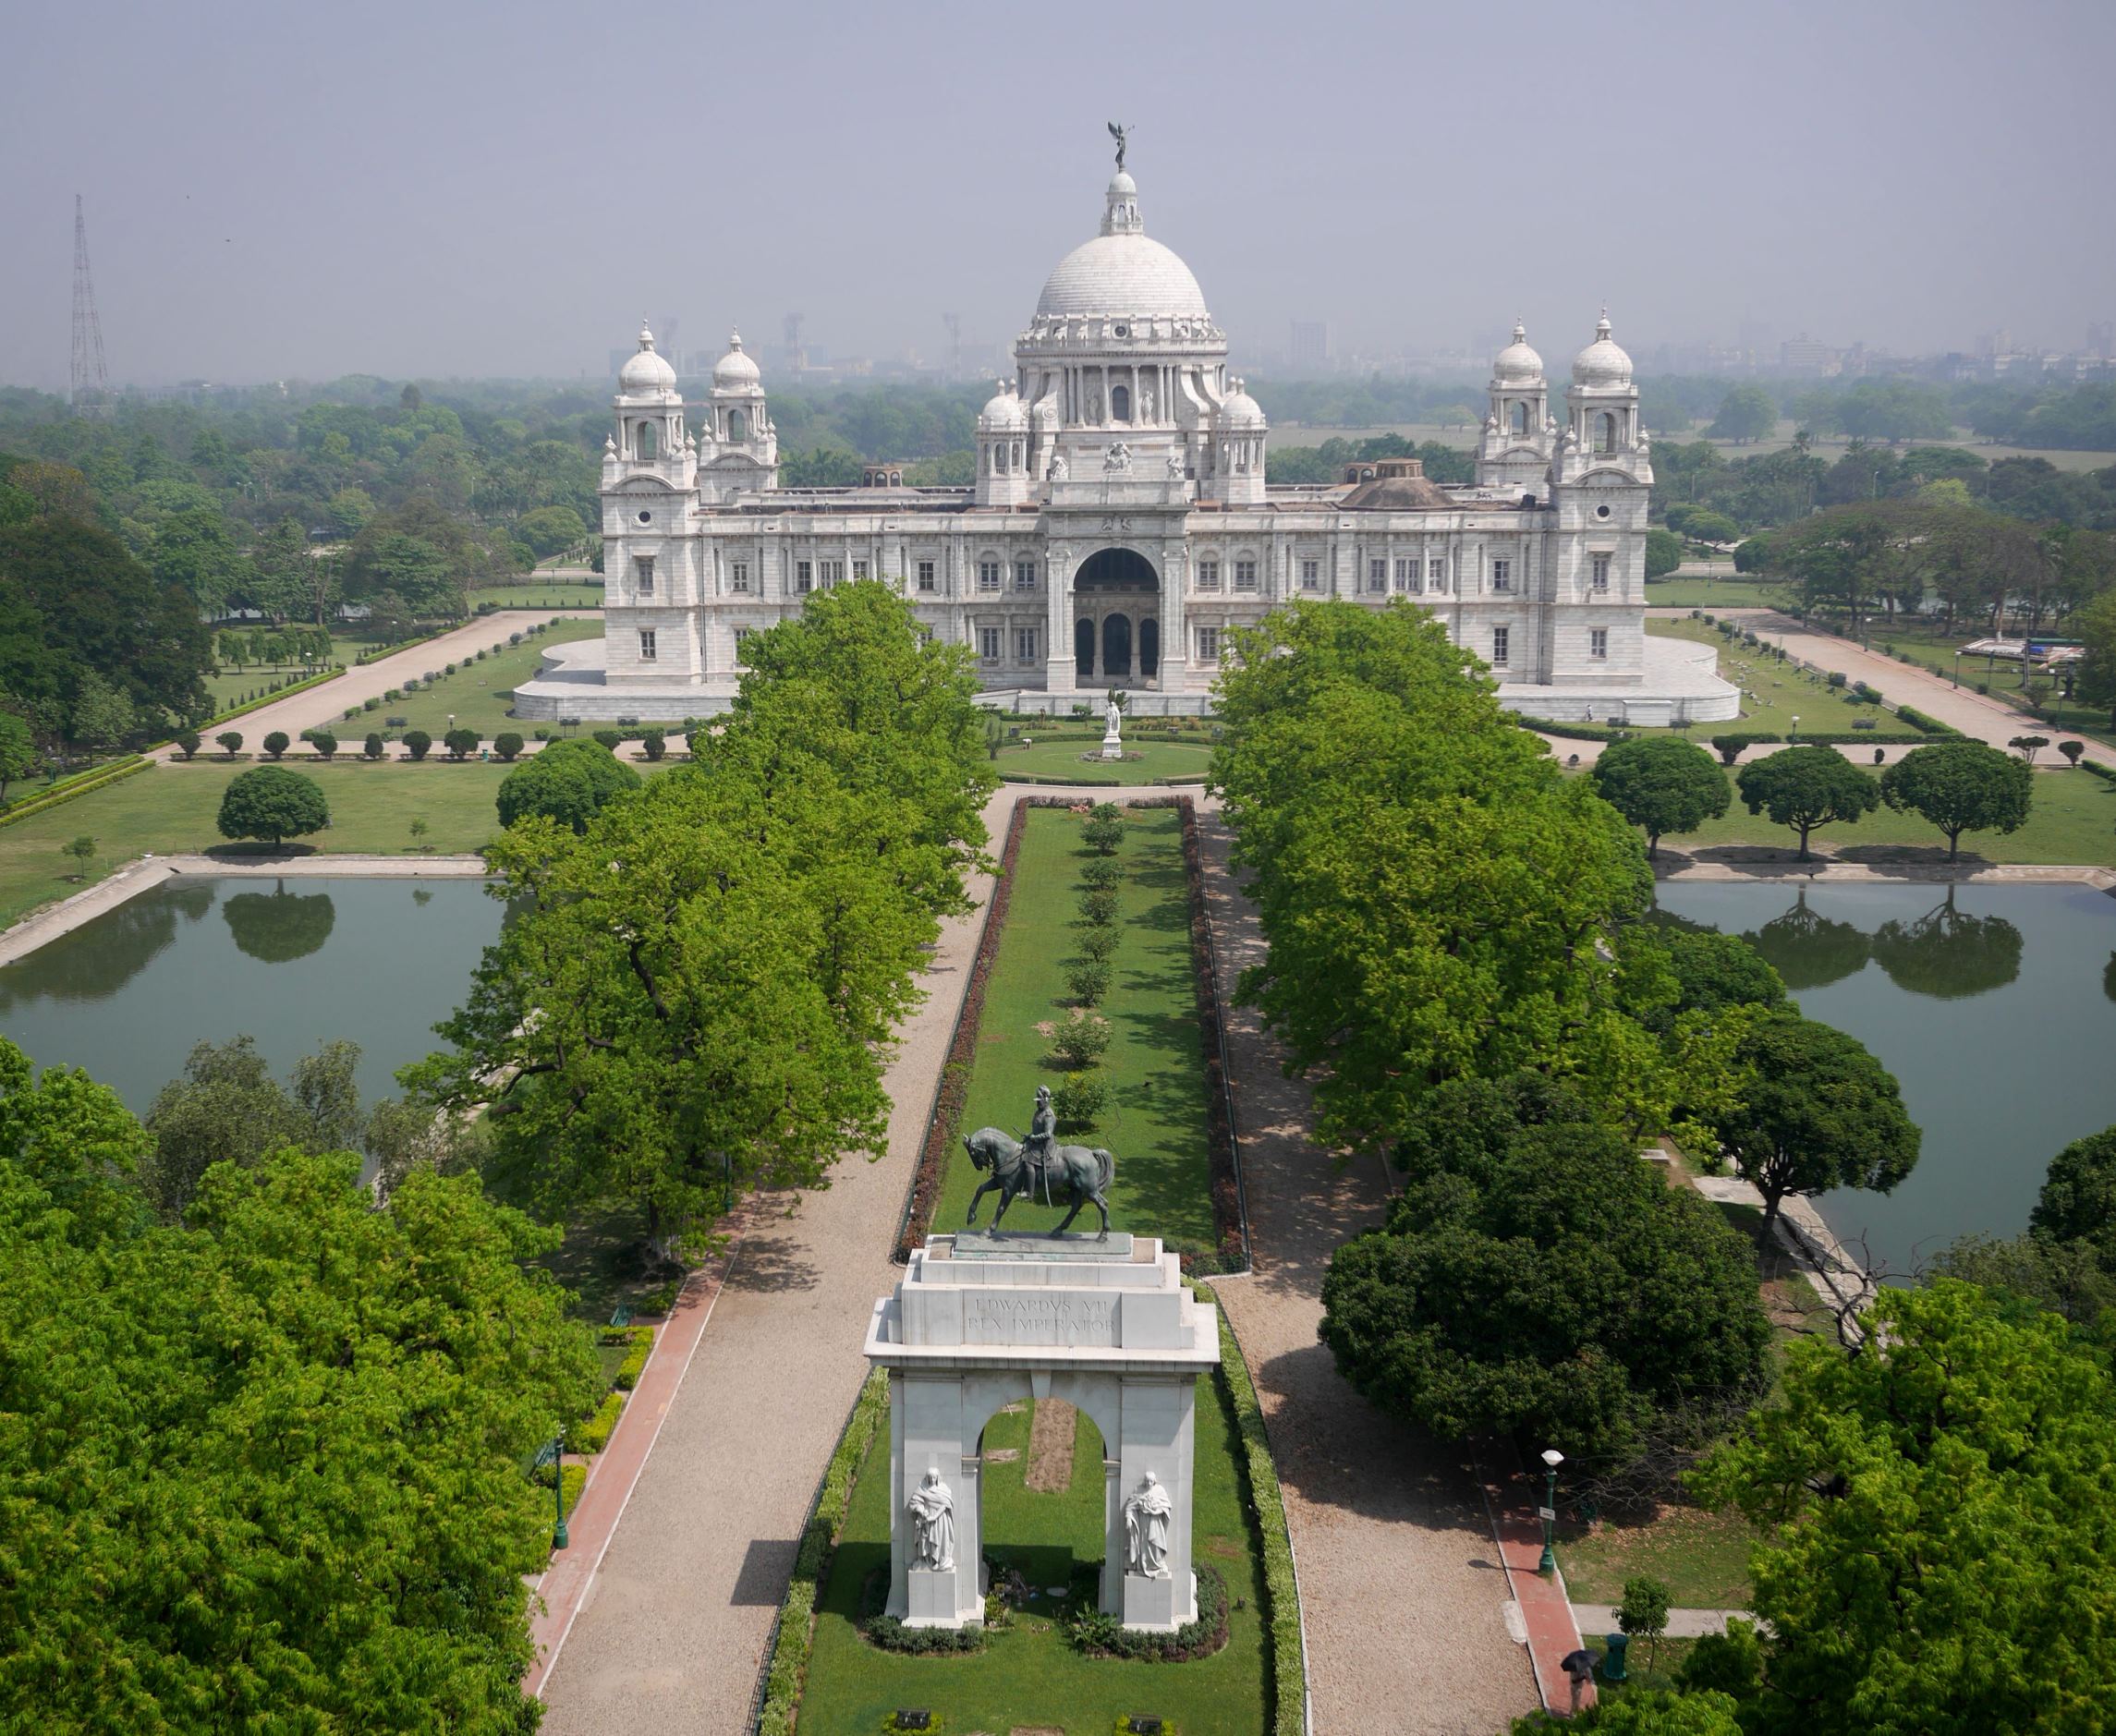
{"type": "Point", "coordinates": [1553, 1457]}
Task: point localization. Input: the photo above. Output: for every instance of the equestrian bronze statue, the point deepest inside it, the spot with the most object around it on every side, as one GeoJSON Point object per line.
{"type": "Point", "coordinates": [1040, 1167]}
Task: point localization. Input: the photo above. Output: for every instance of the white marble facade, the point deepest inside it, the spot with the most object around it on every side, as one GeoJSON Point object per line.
{"type": "Point", "coordinates": [1120, 525]}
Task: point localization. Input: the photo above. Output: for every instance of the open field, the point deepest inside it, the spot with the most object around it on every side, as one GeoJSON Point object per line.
{"type": "Point", "coordinates": [1714, 594]}
{"type": "Point", "coordinates": [1773, 694]}
{"type": "Point", "coordinates": [1155, 1122]}
{"type": "Point", "coordinates": [1030, 1676]}
{"type": "Point", "coordinates": [1302, 434]}
{"type": "Point", "coordinates": [478, 694]}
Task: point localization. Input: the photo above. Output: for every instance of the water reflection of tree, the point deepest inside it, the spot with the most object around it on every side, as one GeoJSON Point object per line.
{"type": "Point", "coordinates": [280, 925]}
{"type": "Point", "coordinates": [97, 959]}
{"type": "Point", "coordinates": [1947, 952]}
{"type": "Point", "coordinates": [1810, 951]}
{"type": "Point", "coordinates": [2108, 977]}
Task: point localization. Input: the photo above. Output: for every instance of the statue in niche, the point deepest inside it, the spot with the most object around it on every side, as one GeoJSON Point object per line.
{"type": "Point", "coordinates": [932, 1508]}
{"type": "Point", "coordinates": [1146, 402]}
{"type": "Point", "coordinates": [1060, 471]}
{"type": "Point", "coordinates": [1147, 1517]}
{"type": "Point", "coordinates": [1117, 461]}
{"type": "Point", "coordinates": [1094, 404]}
{"type": "Point", "coordinates": [1175, 463]}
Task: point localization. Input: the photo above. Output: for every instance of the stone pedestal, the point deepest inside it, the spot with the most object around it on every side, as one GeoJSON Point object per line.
{"type": "Point", "coordinates": [982, 1322]}
{"type": "Point", "coordinates": [1112, 743]}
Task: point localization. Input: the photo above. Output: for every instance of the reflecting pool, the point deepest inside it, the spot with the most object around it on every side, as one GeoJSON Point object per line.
{"type": "Point", "coordinates": [292, 963]}
{"type": "Point", "coordinates": [1994, 1005]}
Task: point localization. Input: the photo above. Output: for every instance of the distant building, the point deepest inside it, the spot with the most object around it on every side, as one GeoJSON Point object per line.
{"type": "Point", "coordinates": [1806, 354]}
{"type": "Point", "coordinates": [1309, 352]}
{"type": "Point", "coordinates": [2101, 339]}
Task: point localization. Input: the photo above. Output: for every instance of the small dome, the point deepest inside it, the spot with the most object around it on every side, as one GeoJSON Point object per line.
{"type": "Point", "coordinates": [735, 372]}
{"type": "Point", "coordinates": [1003, 410]}
{"type": "Point", "coordinates": [646, 372]}
{"type": "Point", "coordinates": [1123, 183]}
{"type": "Point", "coordinates": [1602, 363]}
{"type": "Point", "coordinates": [1518, 364]}
{"type": "Point", "coordinates": [1240, 410]}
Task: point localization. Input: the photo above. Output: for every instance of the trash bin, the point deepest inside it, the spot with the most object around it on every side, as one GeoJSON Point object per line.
{"type": "Point", "coordinates": [1613, 1666]}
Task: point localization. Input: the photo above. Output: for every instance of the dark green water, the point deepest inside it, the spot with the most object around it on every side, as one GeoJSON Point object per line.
{"type": "Point", "coordinates": [1995, 1006]}
{"type": "Point", "coordinates": [292, 963]}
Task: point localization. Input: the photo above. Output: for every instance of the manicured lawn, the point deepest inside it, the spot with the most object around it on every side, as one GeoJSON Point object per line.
{"type": "Point", "coordinates": [1155, 1122]}
{"type": "Point", "coordinates": [478, 694]}
{"type": "Point", "coordinates": [1701, 1556]}
{"type": "Point", "coordinates": [1030, 1674]}
{"type": "Point", "coordinates": [1712, 594]}
{"type": "Point", "coordinates": [2001, 679]}
{"type": "Point", "coordinates": [2072, 820]}
{"type": "Point", "coordinates": [1061, 759]}
{"type": "Point", "coordinates": [542, 594]}
{"type": "Point", "coordinates": [1773, 694]}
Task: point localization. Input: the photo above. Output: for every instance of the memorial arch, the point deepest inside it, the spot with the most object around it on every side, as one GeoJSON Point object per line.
{"type": "Point", "coordinates": [1116, 618]}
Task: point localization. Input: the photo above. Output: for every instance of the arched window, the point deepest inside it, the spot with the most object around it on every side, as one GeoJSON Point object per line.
{"type": "Point", "coordinates": [737, 425]}
{"type": "Point", "coordinates": [1519, 416]}
{"type": "Point", "coordinates": [646, 440]}
{"type": "Point", "coordinates": [1605, 431]}
{"type": "Point", "coordinates": [1120, 403]}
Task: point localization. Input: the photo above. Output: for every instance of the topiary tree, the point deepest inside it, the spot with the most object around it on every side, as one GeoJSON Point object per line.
{"type": "Point", "coordinates": [188, 742]}
{"type": "Point", "coordinates": [1728, 747]}
{"type": "Point", "coordinates": [611, 738]}
{"type": "Point", "coordinates": [273, 803]}
{"type": "Point", "coordinates": [570, 781]}
{"type": "Point", "coordinates": [416, 743]}
{"type": "Point", "coordinates": [230, 741]}
{"type": "Point", "coordinates": [374, 747]}
{"type": "Point", "coordinates": [1662, 784]}
{"type": "Point", "coordinates": [324, 742]}
{"type": "Point", "coordinates": [2071, 750]}
{"type": "Point", "coordinates": [461, 743]}
{"type": "Point", "coordinates": [1806, 787]}
{"type": "Point", "coordinates": [507, 745]}
{"type": "Point", "coordinates": [656, 743]}
{"type": "Point", "coordinates": [2027, 747]}
{"type": "Point", "coordinates": [1960, 786]}
{"type": "Point", "coordinates": [276, 743]}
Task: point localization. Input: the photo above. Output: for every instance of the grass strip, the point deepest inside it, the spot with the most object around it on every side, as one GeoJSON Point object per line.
{"type": "Point", "coordinates": [86, 785]}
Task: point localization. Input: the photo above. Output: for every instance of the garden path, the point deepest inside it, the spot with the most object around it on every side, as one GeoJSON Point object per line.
{"type": "Point", "coordinates": [1404, 1603]}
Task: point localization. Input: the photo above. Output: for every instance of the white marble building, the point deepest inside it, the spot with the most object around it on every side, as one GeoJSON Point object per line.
{"type": "Point", "coordinates": [1120, 525]}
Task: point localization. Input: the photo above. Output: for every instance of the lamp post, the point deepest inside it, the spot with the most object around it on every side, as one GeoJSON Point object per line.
{"type": "Point", "coordinates": [559, 1538]}
{"type": "Point", "coordinates": [1957, 665]}
{"type": "Point", "coordinates": [1553, 1459]}
{"type": "Point", "coordinates": [1794, 733]}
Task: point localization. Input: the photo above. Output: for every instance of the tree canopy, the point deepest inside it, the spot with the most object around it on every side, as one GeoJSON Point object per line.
{"type": "Point", "coordinates": [568, 782]}
{"type": "Point", "coordinates": [1806, 787]}
{"type": "Point", "coordinates": [1662, 784]}
{"type": "Point", "coordinates": [1960, 786]}
{"type": "Point", "coordinates": [274, 802]}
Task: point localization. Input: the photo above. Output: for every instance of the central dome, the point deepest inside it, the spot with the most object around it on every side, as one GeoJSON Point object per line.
{"type": "Point", "coordinates": [1121, 272]}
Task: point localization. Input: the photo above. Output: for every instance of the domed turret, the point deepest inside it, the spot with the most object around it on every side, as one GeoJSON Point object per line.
{"type": "Point", "coordinates": [735, 372]}
{"type": "Point", "coordinates": [1519, 365]}
{"type": "Point", "coordinates": [646, 372]}
{"type": "Point", "coordinates": [1003, 410]}
{"type": "Point", "coordinates": [1003, 449]}
{"type": "Point", "coordinates": [1239, 409]}
{"type": "Point", "coordinates": [1602, 363]}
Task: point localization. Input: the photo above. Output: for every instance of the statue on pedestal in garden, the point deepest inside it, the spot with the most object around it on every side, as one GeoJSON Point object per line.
{"type": "Point", "coordinates": [1145, 1529]}
{"type": "Point", "coordinates": [932, 1507]}
{"type": "Point", "coordinates": [1038, 1165]}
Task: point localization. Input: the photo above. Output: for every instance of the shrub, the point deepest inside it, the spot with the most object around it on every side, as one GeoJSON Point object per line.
{"type": "Point", "coordinates": [1103, 1635]}
{"type": "Point", "coordinates": [507, 743]}
{"type": "Point", "coordinates": [1082, 1041]}
{"type": "Point", "coordinates": [324, 742]}
{"type": "Point", "coordinates": [230, 741]}
{"type": "Point", "coordinates": [351, 712]}
{"type": "Point", "coordinates": [656, 743]}
{"type": "Point", "coordinates": [1088, 981]}
{"type": "Point", "coordinates": [1837, 678]}
{"type": "Point", "coordinates": [594, 1434]}
{"type": "Point", "coordinates": [276, 743]}
{"type": "Point", "coordinates": [448, 669]}
{"type": "Point", "coordinates": [1079, 1100]}
{"type": "Point", "coordinates": [635, 1362]}
{"type": "Point", "coordinates": [1099, 943]}
{"type": "Point", "coordinates": [1098, 905]}
{"type": "Point", "coordinates": [541, 735]}
{"type": "Point", "coordinates": [392, 694]}
{"type": "Point", "coordinates": [2070, 750]}
{"type": "Point", "coordinates": [1101, 872]}
{"type": "Point", "coordinates": [188, 744]}
{"type": "Point", "coordinates": [1105, 811]}
{"type": "Point", "coordinates": [514, 638]}
{"type": "Point", "coordinates": [374, 745]}
{"type": "Point", "coordinates": [461, 743]}
{"type": "Point", "coordinates": [416, 743]}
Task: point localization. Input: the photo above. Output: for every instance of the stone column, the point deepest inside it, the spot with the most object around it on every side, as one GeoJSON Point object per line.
{"type": "Point", "coordinates": [1158, 1436]}
{"type": "Point", "coordinates": [1111, 1600]}
{"type": "Point", "coordinates": [1175, 671]}
{"type": "Point", "coordinates": [1059, 676]}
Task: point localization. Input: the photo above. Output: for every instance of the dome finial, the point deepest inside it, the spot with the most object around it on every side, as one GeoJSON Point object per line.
{"type": "Point", "coordinates": [646, 337]}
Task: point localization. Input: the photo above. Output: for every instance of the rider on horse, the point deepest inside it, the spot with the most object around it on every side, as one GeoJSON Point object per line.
{"type": "Point", "coordinates": [1042, 1140]}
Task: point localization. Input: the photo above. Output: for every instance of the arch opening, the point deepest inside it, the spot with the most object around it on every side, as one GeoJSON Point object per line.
{"type": "Point", "coordinates": [737, 425]}
{"type": "Point", "coordinates": [1084, 647]}
{"type": "Point", "coordinates": [1148, 647]}
{"type": "Point", "coordinates": [1117, 569]}
{"type": "Point", "coordinates": [645, 439]}
{"type": "Point", "coordinates": [1117, 646]}
{"type": "Point", "coordinates": [1041, 1479]}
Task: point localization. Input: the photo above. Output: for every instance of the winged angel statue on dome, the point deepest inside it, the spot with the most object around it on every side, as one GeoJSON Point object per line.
{"type": "Point", "coordinates": [1120, 134]}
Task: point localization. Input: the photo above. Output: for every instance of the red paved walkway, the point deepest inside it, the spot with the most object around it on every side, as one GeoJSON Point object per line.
{"type": "Point", "coordinates": [1545, 1608]}
{"type": "Point", "coordinates": [614, 1470]}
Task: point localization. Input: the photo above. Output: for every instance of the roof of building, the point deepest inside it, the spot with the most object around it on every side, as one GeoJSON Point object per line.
{"type": "Point", "coordinates": [646, 372]}
{"type": "Point", "coordinates": [734, 370]}
{"type": "Point", "coordinates": [1122, 271]}
{"type": "Point", "coordinates": [1400, 494]}
{"type": "Point", "coordinates": [1602, 362]}
{"type": "Point", "coordinates": [1518, 364]}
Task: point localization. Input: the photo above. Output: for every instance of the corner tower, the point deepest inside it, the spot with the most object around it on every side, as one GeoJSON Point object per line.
{"type": "Point", "coordinates": [738, 448]}
{"type": "Point", "coordinates": [1518, 432]}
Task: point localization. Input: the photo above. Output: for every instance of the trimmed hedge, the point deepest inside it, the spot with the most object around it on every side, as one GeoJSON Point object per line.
{"type": "Point", "coordinates": [1230, 1231]}
{"type": "Point", "coordinates": [794, 1635]}
{"type": "Point", "coordinates": [1931, 725]}
{"type": "Point", "coordinates": [85, 785]}
{"type": "Point", "coordinates": [1288, 1655]}
{"type": "Point", "coordinates": [593, 1435]}
{"type": "Point", "coordinates": [1572, 732]}
{"type": "Point", "coordinates": [635, 1362]}
{"type": "Point", "coordinates": [273, 698]}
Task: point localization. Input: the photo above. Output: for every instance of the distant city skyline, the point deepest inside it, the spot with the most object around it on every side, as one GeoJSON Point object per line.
{"type": "Point", "coordinates": [484, 192]}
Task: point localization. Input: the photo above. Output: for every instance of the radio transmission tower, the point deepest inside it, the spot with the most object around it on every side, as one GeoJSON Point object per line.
{"type": "Point", "coordinates": [91, 382]}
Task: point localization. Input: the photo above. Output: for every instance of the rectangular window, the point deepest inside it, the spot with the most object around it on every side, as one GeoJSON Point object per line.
{"type": "Point", "coordinates": [987, 575]}
{"type": "Point", "coordinates": [1207, 576]}
{"type": "Point", "coordinates": [646, 645]}
{"type": "Point", "coordinates": [833, 572]}
{"type": "Point", "coordinates": [858, 571]}
{"type": "Point", "coordinates": [1208, 645]}
{"type": "Point", "coordinates": [1376, 576]}
{"type": "Point", "coordinates": [1436, 574]}
{"type": "Point", "coordinates": [1025, 644]}
{"type": "Point", "coordinates": [1498, 638]}
{"type": "Point", "coordinates": [740, 581]}
{"type": "Point", "coordinates": [926, 577]}
{"type": "Point", "coordinates": [1501, 576]}
{"type": "Point", "coordinates": [740, 634]}
{"type": "Point", "coordinates": [1244, 576]}
{"type": "Point", "coordinates": [1311, 575]}
{"type": "Point", "coordinates": [988, 643]}
{"type": "Point", "coordinates": [1406, 575]}
{"type": "Point", "coordinates": [803, 576]}
{"type": "Point", "coordinates": [1601, 572]}
{"type": "Point", "coordinates": [644, 574]}
{"type": "Point", "coordinates": [1025, 576]}
{"type": "Point", "coordinates": [1597, 641]}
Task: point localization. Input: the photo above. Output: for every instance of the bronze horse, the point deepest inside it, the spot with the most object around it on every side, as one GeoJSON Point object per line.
{"type": "Point", "coordinates": [1078, 1174]}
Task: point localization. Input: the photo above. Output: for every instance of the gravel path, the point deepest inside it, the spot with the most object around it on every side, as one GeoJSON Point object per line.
{"type": "Point", "coordinates": [1402, 1592]}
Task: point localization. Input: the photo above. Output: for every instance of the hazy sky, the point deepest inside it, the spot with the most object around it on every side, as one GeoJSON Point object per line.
{"type": "Point", "coordinates": [447, 188]}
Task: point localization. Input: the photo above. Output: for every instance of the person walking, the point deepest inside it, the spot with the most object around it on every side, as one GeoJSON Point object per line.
{"type": "Point", "coordinates": [1579, 1670]}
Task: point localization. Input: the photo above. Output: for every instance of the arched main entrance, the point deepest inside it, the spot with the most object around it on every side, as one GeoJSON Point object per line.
{"type": "Point", "coordinates": [1116, 628]}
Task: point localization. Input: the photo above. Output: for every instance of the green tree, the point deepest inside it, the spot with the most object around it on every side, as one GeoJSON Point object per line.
{"type": "Point", "coordinates": [19, 757]}
{"type": "Point", "coordinates": [225, 1107]}
{"type": "Point", "coordinates": [74, 1141]}
{"type": "Point", "coordinates": [230, 741]}
{"type": "Point", "coordinates": [2096, 626]}
{"type": "Point", "coordinates": [1746, 413]}
{"type": "Point", "coordinates": [1960, 786]}
{"type": "Point", "coordinates": [273, 803]}
{"type": "Point", "coordinates": [1663, 553]}
{"type": "Point", "coordinates": [1648, 1712]}
{"type": "Point", "coordinates": [1806, 787]}
{"type": "Point", "coordinates": [569, 781]}
{"type": "Point", "coordinates": [417, 742]}
{"type": "Point", "coordinates": [102, 714]}
{"type": "Point", "coordinates": [1814, 1111]}
{"type": "Point", "coordinates": [2078, 1198]}
{"type": "Point", "coordinates": [1644, 1610]}
{"type": "Point", "coordinates": [461, 743]}
{"type": "Point", "coordinates": [1936, 1511]}
{"type": "Point", "coordinates": [1536, 1278]}
{"type": "Point", "coordinates": [81, 851]}
{"type": "Point", "coordinates": [551, 530]}
{"type": "Point", "coordinates": [1662, 784]}
{"type": "Point", "coordinates": [276, 743]}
